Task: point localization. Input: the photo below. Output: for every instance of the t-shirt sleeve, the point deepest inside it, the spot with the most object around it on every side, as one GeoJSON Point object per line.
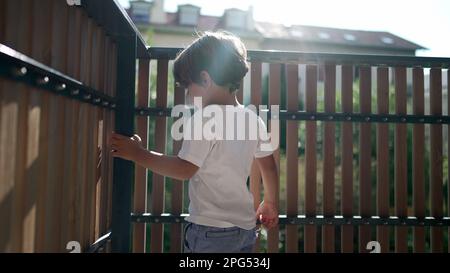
{"type": "Point", "coordinates": [264, 147]}
{"type": "Point", "coordinates": [195, 151]}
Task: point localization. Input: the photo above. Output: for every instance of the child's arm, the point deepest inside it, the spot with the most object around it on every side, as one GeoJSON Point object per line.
{"type": "Point", "coordinates": [268, 210]}
{"type": "Point", "coordinates": [130, 148]}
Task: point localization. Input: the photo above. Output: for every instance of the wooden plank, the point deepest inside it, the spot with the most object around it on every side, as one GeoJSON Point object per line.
{"type": "Point", "coordinates": [41, 52]}
{"type": "Point", "coordinates": [83, 177]}
{"type": "Point", "coordinates": [347, 159]}
{"type": "Point", "coordinates": [328, 232]}
{"type": "Point", "coordinates": [19, 94]}
{"type": "Point", "coordinates": [310, 159]}
{"type": "Point", "coordinates": [255, 173]}
{"type": "Point", "coordinates": [157, 236]}
{"type": "Point", "coordinates": [292, 158]}
{"type": "Point", "coordinates": [97, 133]}
{"type": "Point", "coordinates": [274, 99]}
{"type": "Point", "coordinates": [382, 156]}
{"type": "Point", "coordinates": [113, 91]}
{"type": "Point", "coordinates": [401, 167]}
{"type": "Point", "coordinates": [436, 159]}
{"type": "Point", "coordinates": [71, 208]}
{"type": "Point", "coordinates": [140, 182]}
{"type": "Point", "coordinates": [177, 189]}
{"type": "Point", "coordinates": [365, 197]}
{"type": "Point", "coordinates": [418, 160]}
{"type": "Point", "coordinates": [2, 21]}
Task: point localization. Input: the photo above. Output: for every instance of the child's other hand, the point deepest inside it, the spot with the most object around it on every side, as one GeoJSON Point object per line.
{"type": "Point", "coordinates": [125, 147]}
{"type": "Point", "coordinates": [267, 214]}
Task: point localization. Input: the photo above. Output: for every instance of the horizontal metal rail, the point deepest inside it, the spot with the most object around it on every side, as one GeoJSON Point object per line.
{"type": "Point", "coordinates": [320, 116]}
{"type": "Point", "coordinates": [274, 56]}
{"type": "Point", "coordinates": [313, 220]}
{"type": "Point", "coordinates": [18, 67]}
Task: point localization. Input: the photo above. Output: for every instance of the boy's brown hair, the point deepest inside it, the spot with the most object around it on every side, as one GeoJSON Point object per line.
{"type": "Point", "coordinates": [221, 54]}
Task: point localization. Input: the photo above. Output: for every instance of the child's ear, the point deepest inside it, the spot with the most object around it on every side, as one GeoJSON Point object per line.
{"type": "Point", "coordinates": [205, 79]}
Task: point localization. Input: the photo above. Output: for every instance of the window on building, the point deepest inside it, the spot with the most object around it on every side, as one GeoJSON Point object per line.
{"type": "Point", "coordinates": [236, 19]}
{"type": "Point", "coordinates": [188, 15]}
{"type": "Point", "coordinates": [140, 11]}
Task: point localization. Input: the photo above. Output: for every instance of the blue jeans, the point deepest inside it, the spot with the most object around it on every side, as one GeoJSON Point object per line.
{"type": "Point", "coordinates": [206, 239]}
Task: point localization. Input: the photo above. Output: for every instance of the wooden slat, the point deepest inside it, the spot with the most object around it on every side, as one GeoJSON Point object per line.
{"type": "Point", "coordinates": [112, 92]}
{"type": "Point", "coordinates": [347, 159]}
{"type": "Point", "coordinates": [401, 182]}
{"type": "Point", "coordinates": [255, 173]}
{"type": "Point", "coordinates": [158, 184]}
{"type": "Point", "coordinates": [177, 188]}
{"type": "Point", "coordinates": [274, 99]}
{"type": "Point", "coordinates": [328, 233]}
{"type": "Point", "coordinates": [71, 208]}
{"type": "Point", "coordinates": [9, 123]}
{"type": "Point", "coordinates": [18, 96]}
{"type": "Point", "coordinates": [41, 52]}
{"type": "Point", "coordinates": [96, 134]}
{"type": "Point", "coordinates": [365, 156]}
{"type": "Point", "coordinates": [382, 156]}
{"type": "Point", "coordinates": [292, 159]}
{"type": "Point", "coordinates": [436, 159]}
{"type": "Point", "coordinates": [418, 145]}
{"type": "Point", "coordinates": [56, 136]}
{"type": "Point", "coordinates": [2, 21]}
{"type": "Point", "coordinates": [92, 135]}
{"type": "Point", "coordinates": [83, 178]}
{"type": "Point", "coordinates": [310, 159]}
{"type": "Point", "coordinates": [102, 184]}
{"type": "Point", "coordinates": [140, 182]}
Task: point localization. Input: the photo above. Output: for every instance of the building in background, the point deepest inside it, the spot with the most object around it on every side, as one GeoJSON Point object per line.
{"type": "Point", "coordinates": [176, 29]}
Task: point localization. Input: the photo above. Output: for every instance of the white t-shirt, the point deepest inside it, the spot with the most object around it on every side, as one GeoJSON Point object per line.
{"type": "Point", "coordinates": [218, 191]}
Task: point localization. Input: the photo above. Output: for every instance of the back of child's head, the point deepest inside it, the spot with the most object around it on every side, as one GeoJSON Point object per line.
{"type": "Point", "coordinates": [221, 54]}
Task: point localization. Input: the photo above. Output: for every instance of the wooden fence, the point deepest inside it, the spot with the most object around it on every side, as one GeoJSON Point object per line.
{"type": "Point", "coordinates": [68, 80]}
{"type": "Point", "coordinates": [355, 187]}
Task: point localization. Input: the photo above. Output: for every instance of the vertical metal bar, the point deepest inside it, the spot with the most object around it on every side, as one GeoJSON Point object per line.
{"type": "Point", "coordinates": [310, 159]}
{"type": "Point", "coordinates": [436, 159]}
{"type": "Point", "coordinates": [382, 156]}
{"type": "Point", "coordinates": [365, 194]}
{"type": "Point", "coordinates": [328, 232]}
{"type": "Point", "coordinates": [274, 99]}
{"type": "Point", "coordinates": [401, 186]}
{"type": "Point", "coordinates": [418, 159]}
{"type": "Point", "coordinates": [140, 176]}
{"type": "Point", "coordinates": [255, 173]}
{"type": "Point", "coordinates": [292, 158]}
{"type": "Point", "coordinates": [124, 124]}
{"type": "Point", "coordinates": [347, 159]}
{"type": "Point", "coordinates": [177, 188]}
{"type": "Point", "coordinates": [158, 183]}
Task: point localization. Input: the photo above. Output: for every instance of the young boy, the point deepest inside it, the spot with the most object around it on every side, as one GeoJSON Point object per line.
{"type": "Point", "coordinates": [222, 217]}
